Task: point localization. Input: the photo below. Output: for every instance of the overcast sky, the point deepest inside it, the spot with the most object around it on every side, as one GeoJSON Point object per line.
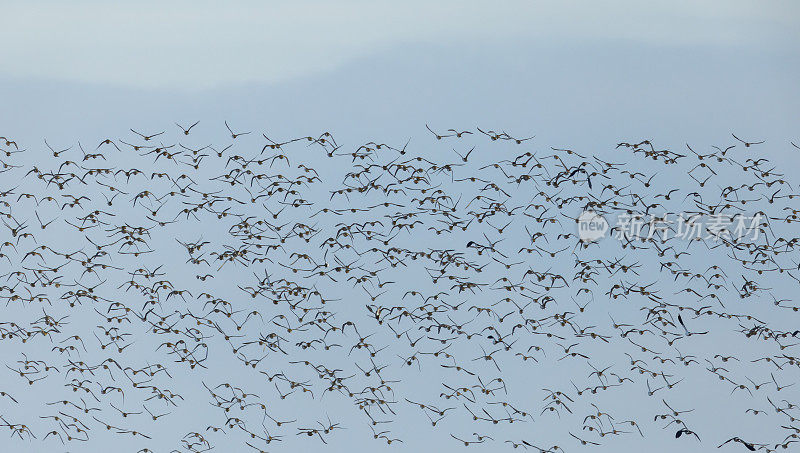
{"type": "Point", "coordinates": [551, 67]}
{"type": "Point", "coordinates": [189, 45]}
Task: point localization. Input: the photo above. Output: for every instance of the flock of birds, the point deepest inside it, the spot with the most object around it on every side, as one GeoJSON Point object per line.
{"type": "Point", "coordinates": [269, 292]}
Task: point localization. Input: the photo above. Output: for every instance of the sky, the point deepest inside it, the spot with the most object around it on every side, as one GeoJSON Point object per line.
{"type": "Point", "coordinates": [197, 45]}
{"type": "Point", "coordinates": [578, 74]}
{"type": "Point", "coordinates": [693, 69]}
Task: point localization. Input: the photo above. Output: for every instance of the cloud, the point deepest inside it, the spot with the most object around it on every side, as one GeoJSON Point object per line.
{"type": "Point", "coordinates": [191, 45]}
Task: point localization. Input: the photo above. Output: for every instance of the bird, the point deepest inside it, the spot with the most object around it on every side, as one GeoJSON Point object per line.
{"type": "Point", "coordinates": [234, 135]}
{"type": "Point", "coordinates": [747, 445]}
{"type": "Point", "coordinates": [186, 130]}
{"type": "Point", "coordinates": [345, 276]}
{"type": "Point", "coordinates": [687, 432]}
